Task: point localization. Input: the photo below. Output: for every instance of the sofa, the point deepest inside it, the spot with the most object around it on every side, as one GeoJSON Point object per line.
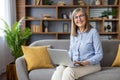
{"type": "Point", "coordinates": [110, 48]}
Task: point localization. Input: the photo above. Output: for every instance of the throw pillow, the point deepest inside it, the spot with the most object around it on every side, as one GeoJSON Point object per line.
{"type": "Point", "coordinates": [36, 57]}
{"type": "Point", "coordinates": [116, 62]}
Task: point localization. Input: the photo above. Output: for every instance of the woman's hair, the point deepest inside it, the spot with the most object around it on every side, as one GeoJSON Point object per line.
{"type": "Point", "coordinates": [74, 28]}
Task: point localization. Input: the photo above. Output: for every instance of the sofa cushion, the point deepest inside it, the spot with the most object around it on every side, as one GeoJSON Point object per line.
{"type": "Point", "coordinates": [110, 48]}
{"type": "Point", "coordinates": [55, 44]}
{"type": "Point", "coordinates": [41, 74]}
{"type": "Point", "coordinates": [36, 57]}
{"type": "Point", "coordinates": [116, 62]}
{"type": "Point", "coordinates": [107, 73]}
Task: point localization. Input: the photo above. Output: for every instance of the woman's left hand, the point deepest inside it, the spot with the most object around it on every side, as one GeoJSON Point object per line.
{"type": "Point", "coordinates": [83, 63]}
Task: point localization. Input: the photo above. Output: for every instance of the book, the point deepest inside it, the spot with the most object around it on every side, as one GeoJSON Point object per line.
{"type": "Point", "coordinates": [115, 2]}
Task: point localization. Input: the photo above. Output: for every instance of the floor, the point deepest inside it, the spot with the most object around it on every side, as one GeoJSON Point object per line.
{"type": "Point", "coordinates": [3, 76]}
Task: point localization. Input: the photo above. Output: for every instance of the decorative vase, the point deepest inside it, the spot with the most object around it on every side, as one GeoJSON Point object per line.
{"type": "Point", "coordinates": [46, 29]}
{"type": "Point", "coordinates": [81, 2]}
{"type": "Point", "coordinates": [11, 72]}
{"type": "Point", "coordinates": [110, 16]}
{"type": "Point", "coordinates": [70, 15]}
{"type": "Point", "coordinates": [97, 2]}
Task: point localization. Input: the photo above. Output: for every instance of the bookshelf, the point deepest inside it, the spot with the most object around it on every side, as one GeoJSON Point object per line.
{"type": "Point", "coordinates": [56, 16]}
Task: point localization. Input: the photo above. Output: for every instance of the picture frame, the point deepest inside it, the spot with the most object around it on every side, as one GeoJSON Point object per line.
{"type": "Point", "coordinates": [65, 27]}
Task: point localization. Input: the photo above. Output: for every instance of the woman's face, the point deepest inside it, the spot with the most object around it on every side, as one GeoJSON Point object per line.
{"type": "Point", "coordinates": [80, 19]}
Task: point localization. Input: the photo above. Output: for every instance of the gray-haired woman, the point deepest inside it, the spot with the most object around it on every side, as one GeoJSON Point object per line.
{"type": "Point", "coordinates": [85, 49]}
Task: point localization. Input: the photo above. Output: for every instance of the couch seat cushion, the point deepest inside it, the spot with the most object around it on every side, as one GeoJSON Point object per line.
{"type": "Point", "coordinates": [41, 74]}
{"type": "Point", "coordinates": [107, 73]}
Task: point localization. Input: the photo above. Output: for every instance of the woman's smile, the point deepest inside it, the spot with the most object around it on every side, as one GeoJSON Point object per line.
{"type": "Point", "coordinates": [79, 19]}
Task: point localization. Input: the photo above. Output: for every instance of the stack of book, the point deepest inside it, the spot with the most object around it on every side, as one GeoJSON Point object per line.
{"type": "Point", "coordinates": [36, 28]}
{"type": "Point", "coordinates": [37, 2]}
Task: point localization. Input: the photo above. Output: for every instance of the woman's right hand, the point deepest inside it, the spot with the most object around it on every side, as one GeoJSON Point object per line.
{"type": "Point", "coordinates": [82, 63]}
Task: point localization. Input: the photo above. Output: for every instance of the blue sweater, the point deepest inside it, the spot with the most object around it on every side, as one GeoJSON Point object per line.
{"type": "Point", "coordinates": [86, 46]}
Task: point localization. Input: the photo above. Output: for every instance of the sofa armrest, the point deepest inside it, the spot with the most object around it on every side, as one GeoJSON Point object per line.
{"type": "Point", "coordinates": [21, 68]}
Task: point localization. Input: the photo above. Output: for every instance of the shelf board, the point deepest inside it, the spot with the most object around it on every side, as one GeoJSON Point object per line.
{"type": "Point", "coordinates": [42, 6]}
{"type": "Point", "coordinates": [95, 19]}
{"type": "Point", "coordinates": [109, 33]}
{"type": "Point", "coordinates": [54, 33]}
{"type": "Point", "coordinates": [64, 19]}
{"type": "Point", "coordinates": [51, 32]}
{"type": "Point", "coordinates": [61, 19]}
{"type": "Point", "coordinates": [35, 19]}
{"type": "Point", "coordinates": [55, 19]}
{"type": "Point", "coordinates": [103, 6]}
{"type": "Point", "coordinates": [70, 6]}
{"type": "Point", "coordinates": [111, 19]}
{"type": "Point", "coordinates": [44, 32]}
{"type": "Point", "coordinates": [63, 32]}
{"type": "Point", "coordinates": [103, 19]}
{"type": "Point", "coordinates": [54, 6]}
{"type": "Point", "coordinates": [48, 19]}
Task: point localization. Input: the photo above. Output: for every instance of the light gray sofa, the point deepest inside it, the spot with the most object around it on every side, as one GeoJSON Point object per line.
{"type": "Point", "coordinates": [107, 73]}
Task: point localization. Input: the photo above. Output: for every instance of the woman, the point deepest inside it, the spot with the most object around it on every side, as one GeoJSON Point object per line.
{"type": "Point", "coordinates": [85, 49]}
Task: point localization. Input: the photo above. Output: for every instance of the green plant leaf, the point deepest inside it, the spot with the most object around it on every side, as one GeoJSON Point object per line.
{"type": "Point", "coordinates": [15, 37]}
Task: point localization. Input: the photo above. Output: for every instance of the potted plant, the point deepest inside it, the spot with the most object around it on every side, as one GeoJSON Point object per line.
{"type": "Point", "coordinates": [109, 14]}
{"type": "Point", "coordinates": [105, 13]}
{"type": "Point", "coordinates": [15, 37]}
{"type": "Point", "coordinates": [114, 12]}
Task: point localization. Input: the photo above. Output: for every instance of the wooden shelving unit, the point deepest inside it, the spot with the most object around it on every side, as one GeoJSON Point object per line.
{"type": "Point", "coordinates": [34, 15]}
